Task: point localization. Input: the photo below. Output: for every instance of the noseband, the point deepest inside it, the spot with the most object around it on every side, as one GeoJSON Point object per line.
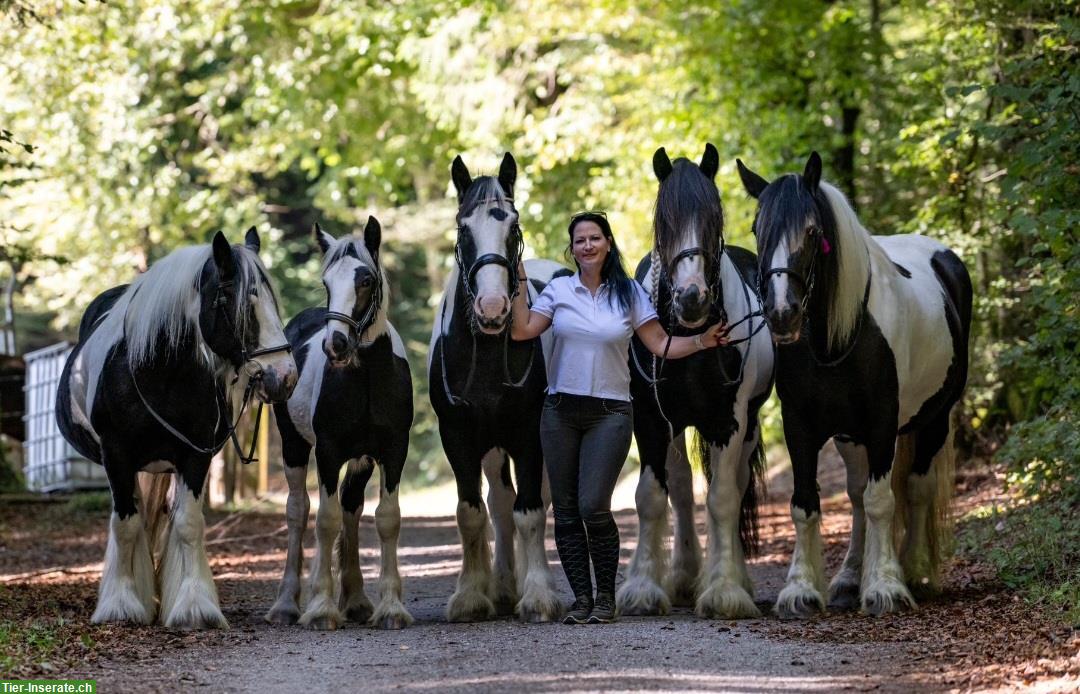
{"type": "Point", "coordinates": [469, 276]}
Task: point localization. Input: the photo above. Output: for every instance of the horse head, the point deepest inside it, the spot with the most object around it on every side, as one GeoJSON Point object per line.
{"type": "Point", "coordinates": [688, 234]}
{"type": "Point", "coordinates": [796, 240]}
{"type": "Point", "coordinates": [354, 291]}
{"type": "Point", "coordinates": [489, 243]}
{"type": "Point", "coordinates": [238, 317]}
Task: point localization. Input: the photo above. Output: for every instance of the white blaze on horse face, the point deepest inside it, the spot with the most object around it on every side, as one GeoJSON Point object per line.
{"type": "Point", "coordinates": [779, 282]}
{"type": "Point", "coordinates": [340, 281]}
{"type": "Point", "coordinates": [279, 365]}
{"type": "Point", "coordinates": [690, 270]}
{"type": "Point", "coordinates": [490, 235]}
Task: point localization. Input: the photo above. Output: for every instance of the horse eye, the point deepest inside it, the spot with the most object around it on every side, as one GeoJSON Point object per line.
{"type": "Point", "coordinates": [366, 282]}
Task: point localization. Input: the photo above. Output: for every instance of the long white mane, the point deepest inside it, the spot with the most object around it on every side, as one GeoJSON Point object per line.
{"type": "Point", "coordinates": [161, 307]}
{"type": "Point", "coordinates": [855, 248]}
{"type": "Point", "coordinates": [336, 253]}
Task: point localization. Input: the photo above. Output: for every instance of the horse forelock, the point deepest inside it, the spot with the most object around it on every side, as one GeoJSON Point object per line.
{"type": "Point", "coordinates": [688, 212]}
{"type": "Point", "coordinates": [484, 190]}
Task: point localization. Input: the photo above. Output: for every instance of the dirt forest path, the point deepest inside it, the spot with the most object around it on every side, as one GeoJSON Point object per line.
{"type": "Point", "coordinates": [976, 637]}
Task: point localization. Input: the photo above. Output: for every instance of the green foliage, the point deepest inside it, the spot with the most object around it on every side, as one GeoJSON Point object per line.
{"type": "Point", "coordinates": [155, 123]}
{"type": "Point", "coordinates": [1036, 549]}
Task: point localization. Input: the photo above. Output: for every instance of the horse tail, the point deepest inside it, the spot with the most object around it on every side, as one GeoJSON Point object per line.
{"type": "Point", "coordinates": [155, 492]}
{"type": "Point", "coordinates": [701, 448]}
{"type": "Point", "coordinates": [755, 493]}
{"type": "Point", "coordinates": [903, 461]}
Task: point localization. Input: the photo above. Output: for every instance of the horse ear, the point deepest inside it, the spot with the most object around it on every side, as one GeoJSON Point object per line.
{"type": "Point", "coordinates": [661, 165]}
{"type": "Point", "coordinates": [710, 161]}
{"type": "Point", "coordinates": [322, 238]}
{"type": "Point", "coordinates": [508, 174]}
{"type": "Point", "coordinates": [812, 172]}
{"type": "Point", "coordinates": [372, 236]}
{"type": "Point", "coordinates": [251, 239]}
{"type": "Point", "coordinates": [223, 256]}
{"type": "Point", "coordinates": [460, 175]}
{"type": "Point", "coordinates": [753, 183]}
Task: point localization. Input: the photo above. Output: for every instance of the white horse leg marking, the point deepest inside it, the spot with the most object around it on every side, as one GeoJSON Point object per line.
{"type": "Point", "coordinates": [189, 599]}
{"type": "Point", "coordinates": [539, 601]}
{"type": "Point", "coordinates": [390, 613]}
{"type": "Point", "coordinates": [322, 612]}
{"type": "Point", "coordinates": [723, 583]}
{"type": "Point", "coordinates": [126, 593]}
{"type": "Point", "coordinates": [802, 594]}
{"type": "Point", "coordinates": [681, 583]}
{"type": "Point", "coordinates": [641, 592]}
{"type": "Point", "coordinates": [883, 588]}
{"type": "Point", "coordinates": [286, 609]}
{"type": "Point", "coordinates": [844, 588]}
{"type": "Point", "coordinates": [501, 508]}
{"type": "Point", "coordinates": [352, 602]}
{"type": "Point", "coordinates": [470, 600]}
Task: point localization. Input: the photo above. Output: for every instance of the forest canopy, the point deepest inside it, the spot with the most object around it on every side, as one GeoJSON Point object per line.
{"type": "Point", "coordinates": [128, 128]}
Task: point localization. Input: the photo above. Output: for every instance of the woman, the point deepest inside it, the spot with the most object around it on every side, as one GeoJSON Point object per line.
{"type": "Point", "coordinates": [587, 421]}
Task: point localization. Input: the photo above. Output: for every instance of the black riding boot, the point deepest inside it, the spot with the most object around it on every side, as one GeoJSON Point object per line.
{"type": "Point", "coordinates": [573, 546]}
{"type": "Point", "coordinates": [604, 549]}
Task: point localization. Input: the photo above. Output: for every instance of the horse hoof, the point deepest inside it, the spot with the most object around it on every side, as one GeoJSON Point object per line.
{"type": "Point", "coordinates": [877, 604]}
{"type": "Point", "coordinates": [326, 623]}
{"type": "Point", "coordinates": [641, 597]}
{"type": "Point", "coordinates": [392, 623]}
{"type": "Point", "coordinates": [359, 613]}
{"type": "Point", "coordinates": [283, 617]}
{"type": "Point", "coordinates": [799, 604]}
{"type": "Point", "coordinates": [844, 597]}
{"type": "Point", "coordinates": [534, 617]}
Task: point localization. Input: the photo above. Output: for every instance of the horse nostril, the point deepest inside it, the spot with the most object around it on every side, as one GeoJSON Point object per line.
{"type": "Point", "coordinates": [339, 342]}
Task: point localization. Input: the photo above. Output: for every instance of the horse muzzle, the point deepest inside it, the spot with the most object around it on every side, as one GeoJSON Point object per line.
{"type": "Point", "coordinates": [491, 313]}
{"type": "Point", "coordinates": [785, 323]}
{"type": "Point", "coordinates": [691, 306]}
{"type": "Point", "coordinates": [276, 383]}
{"type": "Point", "coordinates": [338, 348]}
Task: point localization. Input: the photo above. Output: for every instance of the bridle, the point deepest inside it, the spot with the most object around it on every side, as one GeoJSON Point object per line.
{"type": "Point", "coordinates": [468, 281]}
{"type": "Point", "coordinates": [240, 358]}
{"type": "Point", "coordinates": [357, 328]}
{"type": "Point", "coordinates": [469, 276]}
{"type": "Point", "coordinates": [819, 246]}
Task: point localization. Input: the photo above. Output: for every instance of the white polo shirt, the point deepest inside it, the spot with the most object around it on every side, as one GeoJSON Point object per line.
{"type": "Point", "coordinates": [592, 337]}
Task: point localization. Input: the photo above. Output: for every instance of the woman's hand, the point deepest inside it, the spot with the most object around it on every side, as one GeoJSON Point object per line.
{"type": "Point", "coordinates": [715, 336]}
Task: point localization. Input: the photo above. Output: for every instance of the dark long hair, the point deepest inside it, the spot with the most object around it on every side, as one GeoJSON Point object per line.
{"type": "Point", "coordinates": [613, 274]}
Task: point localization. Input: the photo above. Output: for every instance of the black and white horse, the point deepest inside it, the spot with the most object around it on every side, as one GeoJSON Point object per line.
{"type": "Point", "coordinates": [488, 392]}
{"type": "Point", "coordinates": [353, 405]}
{"type": "Point", "coordinates": [151, 386]}
{"type": "Point", "coordinates": [873, 339]}
{"type": "Point", "coordinates": [695, 281]}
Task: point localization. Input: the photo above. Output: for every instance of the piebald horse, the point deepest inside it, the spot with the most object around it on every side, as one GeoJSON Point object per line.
{"type": "Point", "coordinates": [696, 280]}
{"type": "Point", "coordinates": [353, 406]}
{"type": "Point", "coordinates": [152, 384]}
{"type": "Point", "coordinates": [488, 391]}
{"type": "Point", "coordinates": [872, 335]}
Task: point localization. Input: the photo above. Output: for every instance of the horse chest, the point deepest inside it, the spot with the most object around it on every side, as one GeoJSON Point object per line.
{"type": "Point", "coordinates": [847, 398]}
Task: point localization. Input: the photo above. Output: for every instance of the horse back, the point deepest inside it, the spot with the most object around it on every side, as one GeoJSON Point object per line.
{"type": "Point", "coordinates": [98, 308]}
